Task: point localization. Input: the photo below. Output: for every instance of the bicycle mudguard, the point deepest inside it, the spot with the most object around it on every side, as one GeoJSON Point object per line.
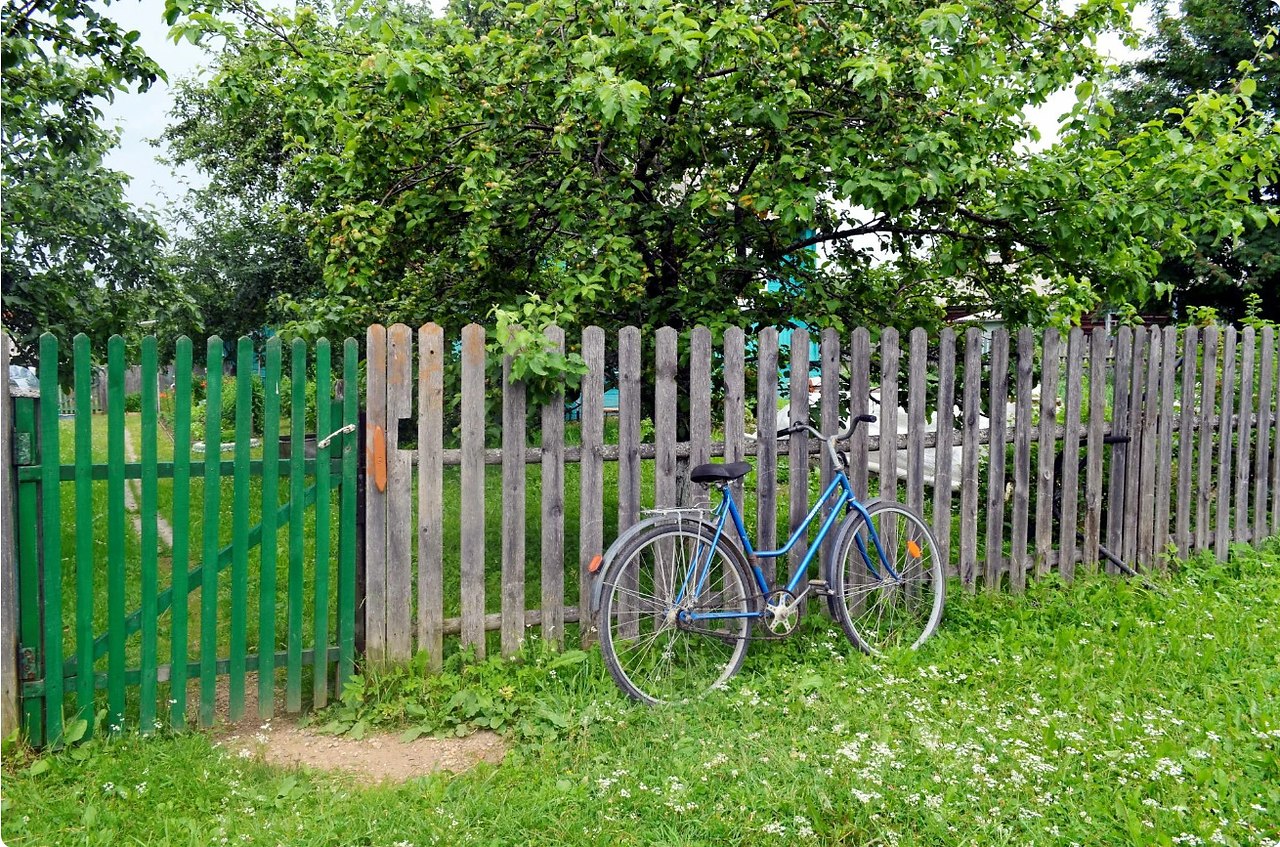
{"type": "Point", "coordinates": [597, 578]}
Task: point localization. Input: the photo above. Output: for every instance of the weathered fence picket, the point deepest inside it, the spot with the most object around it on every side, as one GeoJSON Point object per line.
{"type": "Point", "coordinates": [1186, 440]}
{"type": "Point", "coordinates": [1133, 489]}
{"type": "Point", "coordinates": [552, 519]}
{"type": "Point", "coordinates": [1226, 432]}
{"type": "Point", "coordinates": [513, 510]}
{"type": "Point", "coordinates": [1204, 453]}
{"type": "Point", "coordinates": [1119, 452]}
{"type": "Point", "coordinates": [1244, 437]}
{"type": "Point", "coordinates": [918, 365]}
{"type": "Point", "coordinates": [473, 484]}
{"type": "Point", "coordinates": [431, 493]}
{"type": "Point", "coordinates": [1019, 559]}
{"type": "Point", "coordinates": [798, 445]}
{"type": "Point", "coordinates": [1050, 357]}
{"type": "Point", "coordinates": [831, 417]}
{"type": "Point", "coordinates": [999, 398]}
{"type": "Point", "coordinates": [591, 470]}
{"type": "Point", "coordinates": [375, 500]}
{"type": "Point", "coordinates": [860, 396]}
{"type": "Point", "coordinates": [1146, 494]}
{"type": "Point", "coordinates": [1164, 450]}
{"type": "Point", "coordinates": [944, 435]}
{"type": "Point", "coordinates": [1098, 343]}
{"type": "Point", "coordinates": [968, 563]}
{"type": "Point", "coordinates": [735, 403]}
{"type": "Point", "coordinates": [1071, 457]}
{"type": "Point", "coordinates": [399, 506]}
{"type": "Point", "coordinates": [766, 446]}
{"type": "Point", "coordinates": [1266, 422]}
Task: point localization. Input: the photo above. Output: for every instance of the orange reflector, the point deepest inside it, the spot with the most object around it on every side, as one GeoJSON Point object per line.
{"type": "Point", "coordinates": [914, 549]}
{"type": "Point", "coordinates": [595, 564]}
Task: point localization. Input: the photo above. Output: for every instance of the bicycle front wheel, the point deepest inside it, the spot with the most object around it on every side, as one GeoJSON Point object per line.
{"type": "Point", "coordinates": [892, 600]}
{"type": "Point", "coordinates": [658, 642]}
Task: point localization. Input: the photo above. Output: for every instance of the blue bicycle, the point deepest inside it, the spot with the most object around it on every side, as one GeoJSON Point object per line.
{"type": "Point", "coordinates": [677, 597]}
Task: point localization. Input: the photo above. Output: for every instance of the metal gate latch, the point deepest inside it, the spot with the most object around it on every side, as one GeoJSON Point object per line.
{"type": "Point", "coordinates": [324, 442]}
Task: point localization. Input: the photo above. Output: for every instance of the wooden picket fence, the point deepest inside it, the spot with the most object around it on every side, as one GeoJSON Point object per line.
{"type": "Point", "coordinates": [1198, 471]}
{"type": "Point", "coordinates": [1150, 443]}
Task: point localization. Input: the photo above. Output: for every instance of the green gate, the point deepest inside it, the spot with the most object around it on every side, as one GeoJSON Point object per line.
{"type": "Point", "coordinates": [153, 574]}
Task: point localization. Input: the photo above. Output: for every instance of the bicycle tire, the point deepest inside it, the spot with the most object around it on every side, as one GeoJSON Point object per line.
{"type": "Point", "coordinates": [638, 633]}
{"type": "Point", "coordinates": [860, 599]}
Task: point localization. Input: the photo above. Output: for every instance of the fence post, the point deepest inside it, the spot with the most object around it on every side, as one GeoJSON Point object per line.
{"type": "Point", "coordinates": [8, 559]}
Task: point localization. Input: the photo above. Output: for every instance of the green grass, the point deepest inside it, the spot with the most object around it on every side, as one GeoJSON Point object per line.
{"type": "Point", "coordinates": [1097, 714]}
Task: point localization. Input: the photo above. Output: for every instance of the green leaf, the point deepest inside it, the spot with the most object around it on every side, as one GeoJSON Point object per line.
{"type": "Point", "coordinates": [75, 731]}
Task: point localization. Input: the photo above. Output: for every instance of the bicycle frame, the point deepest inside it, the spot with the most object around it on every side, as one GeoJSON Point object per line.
{"type": "Point", "coordinates": [844, 502]}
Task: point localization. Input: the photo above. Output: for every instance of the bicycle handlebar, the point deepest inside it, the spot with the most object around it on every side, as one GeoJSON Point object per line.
{"type": "Point", "coordinates": [828, 440]}
{"type": "Point", "coordinates": [801, 426]}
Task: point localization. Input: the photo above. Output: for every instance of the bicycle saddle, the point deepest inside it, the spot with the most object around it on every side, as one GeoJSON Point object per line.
{"type": "Point", "coordinates": [720, 473]}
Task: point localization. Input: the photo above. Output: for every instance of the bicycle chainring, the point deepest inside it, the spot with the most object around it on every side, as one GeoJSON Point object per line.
{"type": "Point", "coordinates": [781, 613]}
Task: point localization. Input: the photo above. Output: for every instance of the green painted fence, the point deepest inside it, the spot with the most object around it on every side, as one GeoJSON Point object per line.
{"type": "Point", "coordinates": [142, 558]}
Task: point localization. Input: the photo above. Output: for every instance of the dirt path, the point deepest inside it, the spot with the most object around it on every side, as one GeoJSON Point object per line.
{"type": "Point", "coordinates": [280, 741]}
{"type": "Point", "coordinates": [377, 757]}
{"type": "Point", "coordinates": [132, 494]}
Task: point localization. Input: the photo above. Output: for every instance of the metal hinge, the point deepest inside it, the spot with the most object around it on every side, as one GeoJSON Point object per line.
{"type": "Point", "coordinates": [27, 664]}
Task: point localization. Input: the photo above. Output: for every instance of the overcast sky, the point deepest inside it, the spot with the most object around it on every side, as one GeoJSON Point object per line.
{"type": "Point", "coordinates": [142, 117]}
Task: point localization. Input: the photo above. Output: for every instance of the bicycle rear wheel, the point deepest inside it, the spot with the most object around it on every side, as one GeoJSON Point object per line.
{"type": "Point", "coordinates": [877, 611]}
{"type": "Point", "coordinates": [653, 650]}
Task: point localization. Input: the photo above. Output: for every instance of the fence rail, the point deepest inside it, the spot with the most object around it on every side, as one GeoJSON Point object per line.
{"type": "Point", "coordinates": [1105, 439]}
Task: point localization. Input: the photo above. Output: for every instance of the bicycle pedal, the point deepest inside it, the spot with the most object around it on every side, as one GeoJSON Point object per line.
{"type": "Point", "coordinates": [820, 587]}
